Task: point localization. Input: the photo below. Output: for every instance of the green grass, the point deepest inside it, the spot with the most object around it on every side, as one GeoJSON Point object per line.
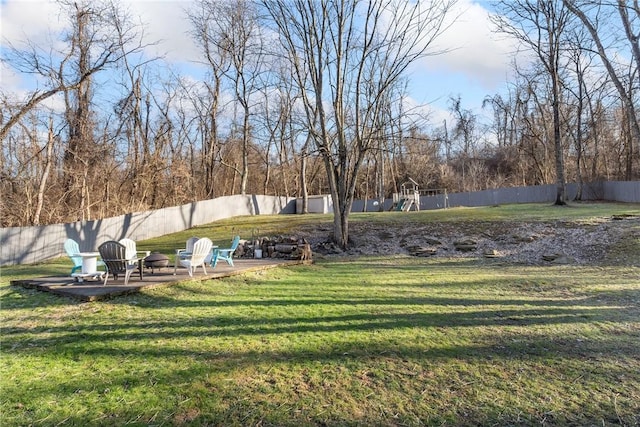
{"type": "Point", "coordinates": [346, 341]}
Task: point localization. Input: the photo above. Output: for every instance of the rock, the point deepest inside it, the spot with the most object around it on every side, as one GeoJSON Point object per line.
{"type": "Point", "coordinates": [558, 258]}
{"type": "Point", "coordinates": [563, 260]}
{"type": "Point", "coordinates": [623, 216]}
{"type": "Point", "coordinates": [421, 251]}
{"type": "Point", "coordinates": [524, 239]}
{"type": "Point", "coordinates": [465, 245]}
{"type": "Point", "coordinates": [432, 242]}
{"type": "Point", "coordinates": [328, 248]}
{"type": "Point", "coordinates": [386, 235]}
{"type": "Point", "coordinates": [491, 253]}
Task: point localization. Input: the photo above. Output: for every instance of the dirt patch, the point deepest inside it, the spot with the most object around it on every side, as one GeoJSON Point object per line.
{"type": "Point", "coordinates": [562, 242]}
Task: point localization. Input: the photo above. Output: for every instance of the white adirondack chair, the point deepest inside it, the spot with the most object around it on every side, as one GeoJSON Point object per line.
{"type": "Point", "coordinates": [198, 257]}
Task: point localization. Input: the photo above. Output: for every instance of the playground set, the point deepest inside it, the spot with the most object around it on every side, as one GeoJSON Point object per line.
{"type": "Point", "coordinates": [409, 196]}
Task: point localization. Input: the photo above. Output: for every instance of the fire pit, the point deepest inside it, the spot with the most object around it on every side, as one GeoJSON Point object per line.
{"type": "Point", "coordinates": [156, 260]}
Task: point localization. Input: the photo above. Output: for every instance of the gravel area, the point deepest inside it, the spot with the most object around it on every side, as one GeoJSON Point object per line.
{"type": "Point", "coordinates": [560, 242]}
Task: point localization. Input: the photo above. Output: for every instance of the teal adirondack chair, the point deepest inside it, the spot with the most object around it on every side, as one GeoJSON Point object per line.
{"type": "Point", "coordinates": [71, 247]}
{"type": "Point", "coordinates": [225, 254]}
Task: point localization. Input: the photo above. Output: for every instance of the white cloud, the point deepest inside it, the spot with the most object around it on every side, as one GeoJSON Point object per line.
{"type": "Point", "coordinates": [474, 50]}
{"type": "Point", "coordinates": [476, 65]}
{"type": "Point", "coordinates": [41, 22]}
{"type": "Point", "coordinates": [8, 77]}
{"type": "Point", "coordinates": [22, 21]}
{"type": "Point", "coordinates": [33, 20]}
{"type": "Point", "coordinates": [166, 23]}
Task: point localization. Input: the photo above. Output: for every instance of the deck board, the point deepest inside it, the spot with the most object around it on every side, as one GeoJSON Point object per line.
{"type": "Point", "coordinates": [94, 290]}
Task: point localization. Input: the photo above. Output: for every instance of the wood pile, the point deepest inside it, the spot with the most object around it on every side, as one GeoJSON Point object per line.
{"type": "Point", "coordinates": [276, 247]}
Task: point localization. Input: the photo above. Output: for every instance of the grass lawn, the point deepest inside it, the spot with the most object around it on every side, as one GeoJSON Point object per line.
{"type": "Point", "coordinates": [346, 341]}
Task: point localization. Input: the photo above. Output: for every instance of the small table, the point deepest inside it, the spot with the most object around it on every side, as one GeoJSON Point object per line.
{"type": "Point", "coordinates": [89, 266]}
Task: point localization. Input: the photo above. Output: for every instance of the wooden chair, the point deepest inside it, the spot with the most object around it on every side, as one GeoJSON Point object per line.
{"type": "Point", "coordinates": [114, 255]}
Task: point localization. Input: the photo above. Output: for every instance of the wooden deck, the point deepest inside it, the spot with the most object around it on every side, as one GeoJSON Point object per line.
{"type": "Point", "coordinates": [94, 290]}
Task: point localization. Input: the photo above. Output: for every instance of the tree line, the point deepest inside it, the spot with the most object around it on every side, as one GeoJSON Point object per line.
{"type": "Point", "coordinates": [307, 97]}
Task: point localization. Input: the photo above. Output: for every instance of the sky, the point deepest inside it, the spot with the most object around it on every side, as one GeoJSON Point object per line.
{"type": "Point", "coordinates": [477, 64]}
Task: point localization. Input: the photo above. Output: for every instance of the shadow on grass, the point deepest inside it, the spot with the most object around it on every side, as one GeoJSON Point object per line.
{"type": "Point", "coordinates": [597, 301]}
{"type": "Point", "coordinates": [18, 298]}
{"type": "Point", "coordinates": [83, 345]}
{"type": "Point", "coordinates": [191, 332]}
{"type": "Point", "coordinates": [369, 316]}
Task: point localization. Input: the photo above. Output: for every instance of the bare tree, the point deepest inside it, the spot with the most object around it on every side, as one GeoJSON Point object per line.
{"type": "Point", "coordinates": [464, 131]}
{"type": "Point", "coordinates": [229, 35]}
{"type": "Point", "coordinates": [346, 56]}
{"type": "Point", "coordinates": [540, 25]}
{"type": "Point", "coordinates": [277, 120]}
{"type": "Point", "coordinates": [580, 61]}
{"type": "Point", "coordinates": [209, 37]}
{"type": "Point", "coordinates": [26, 171]}
{"type": "Point", "coordinates": [626, 79]}
{"type": "Point", "coordinates": [99, 36]}
{"type": "Point", "coordinates": [243, 42]}
{"type": "Point", "coordinates": [107, 49]}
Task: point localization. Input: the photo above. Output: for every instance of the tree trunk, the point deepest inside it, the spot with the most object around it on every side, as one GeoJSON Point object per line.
{"type": "Point", "coordinates": [244, 176]}
{"type": "Point", "coordinates": [304, 191]}
{"type": "Point", "coordinates": [45, 174]}
{"type": "Point", "coordinates": [561, 198]}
